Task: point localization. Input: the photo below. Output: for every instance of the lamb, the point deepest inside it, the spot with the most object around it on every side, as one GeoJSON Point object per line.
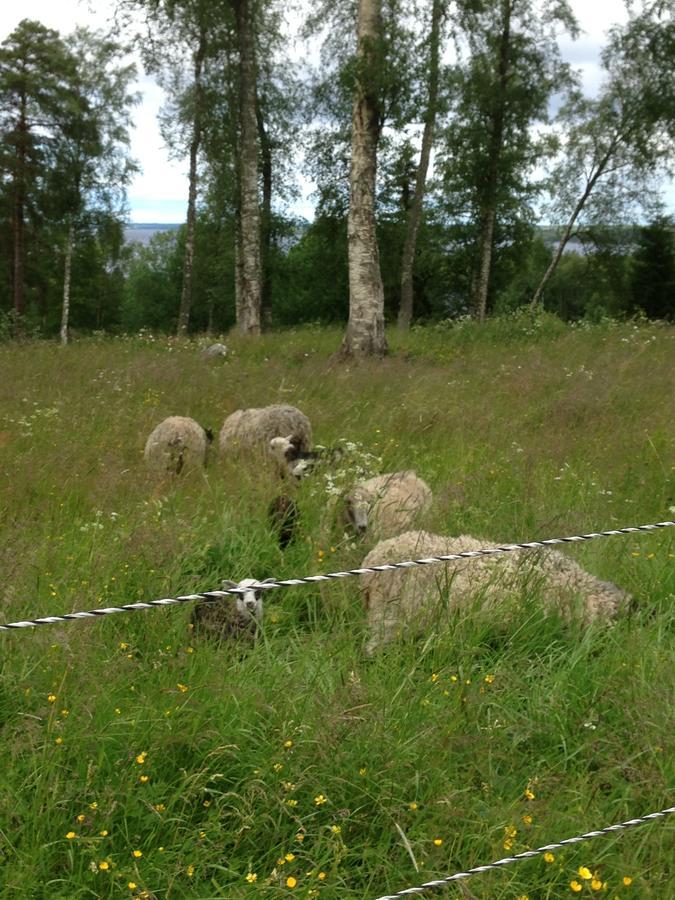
{"type": "Point", "coordinates": [236, 616]}
{"type": "Point", "coordinates": [293, 460]}
{"type": "Point", "coordinates": [283, 516]}
{"type": "Point", "coordinates": [177, 443]}
{"type": "Point", "coordinates": [407, 599]}
{"type": "Point", "coordinates": [253, 429]}
{"type": "Point", "coordinates": [387, 504]}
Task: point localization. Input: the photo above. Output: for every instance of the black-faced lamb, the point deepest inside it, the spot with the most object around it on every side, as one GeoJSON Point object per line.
{"type": "Point", "coordinates": [407, 600]}
{"type": "Point", "coordinates": [293, 461]}
{"type": "Point", "coordinates": [387, 504]}
{"type": "Point", "coordinates": [235, 617]}
{"type": "Point", "coordinates": [176, 444]}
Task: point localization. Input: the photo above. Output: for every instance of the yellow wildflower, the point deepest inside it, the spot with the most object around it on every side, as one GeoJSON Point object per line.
{"type": "Point", "coordinates": [51, 698]}
{"type": "Point", "coordinates": [190, 871]}
{"type": "Point", "coordinates": [362, 772]}
{"type": "Point", "coordinates": [251, 877]}
{"type": "Point", "coordinates": [575, 886]}
{"type": "Point", "coordinates": [453, 678]}
{"type": "Point", "coordinates": [93, 805]}
{"type": "Point", "coordinates": [104, 833]}
{"type": "Point", "coordinates": [300, 837]}
{"type": "Point", "coordinates": [438, 841]}
{"type": "Point", "coordinates": [585, 873]}
{"type": "Point", "coordinates": [527, 819]}
{"type": "Point", "coordinates": [288, 744]}
{"type": "Point", "coordinates": [144, 778]}
{"type": "Point", "coordinates": [529, 794]}
{"type": "Point", "coordinates": [291, 802]}
{"type": "Point", "coordinates": [412, 805]}
{"type": "Point", "coordinates": [289, 857]}
{"type": "Point", "coordinates": [71, 835]}
{"type": "Point", "coordinates": [59, 740]}
{"type": "Point", "coordinates": [627, 880]}
{"type": "Point", "coordinates": [104, 866]}
{"type": "Point", "coordinates": [65, 713]}
{"type": "Point", "coordinates": [182, 687]}
{"type": "Point", "coordinates": [596, 884]}
{"type": "Point", "coordinates": [434, 678]}
{"type": "Point", "coordinates": [508, 843]}
{"type": "Point", "coordinates": [278, 767]}
{"type": "Point", "coordinates": [549, 857]}
{"type": "Point", "coordinates": [320, 799]}
{"type": "Point", "coordinates": [321, 876]}
{"type": "Point", "coordinates": [291, 882]}
{"type": "Point", "coordinates": [336, 829]}
{"type": "Point", "coordinates": [81, 818]}
{"type": "Point", "coordinates": [132, 885]}
{"type": "Point", "coordinates": [489, 679]}
{"type": "Point", "coordinates": [138, 853]}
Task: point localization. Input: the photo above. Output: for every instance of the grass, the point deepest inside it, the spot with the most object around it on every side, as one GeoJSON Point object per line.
{"type": "Point", "coordinates": [300, 767]}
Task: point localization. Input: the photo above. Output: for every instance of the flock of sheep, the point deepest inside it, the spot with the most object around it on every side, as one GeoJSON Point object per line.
{"type": "Point", "coordinates": [387, 509]}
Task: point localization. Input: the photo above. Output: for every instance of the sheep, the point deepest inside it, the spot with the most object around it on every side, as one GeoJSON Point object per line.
{"type": "Point", "coordinates": [387, 504]}
{"type": "Point", "coordinates": [177, 443]}
{"type": "Point", "coordinates": [235, 616]}
{"type": "Point", "coordinates": [253, 429]}
{"type": "Point", "coordinates": [407, 598]}
{"type": "Point", "coordinates": [283, 515]}
{"type": "Point", "coordinates": [293, 460]}
{"type": "Point", "coordinates": [216, 350]}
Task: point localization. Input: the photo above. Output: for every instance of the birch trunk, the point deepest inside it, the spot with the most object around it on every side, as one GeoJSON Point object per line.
{"type": "Point", "coordinates": [188, 260]}
{"type": "Point", "coordinates": [602, 165]}
{"type": "Point", "coordinates": [250, 280]}
{"type": "Point", "coordinates": [489, 210]}
{"type": "Point", "coordinates": [67, 267]}
{"type": "Point", "coordinates": [266, 226]}
{"type": "Point", "coordinates": [18, 286]}
{"type": "Point", "coordinates": [365, 330]}
{"type": "Point", "coordinates": [405, 312]}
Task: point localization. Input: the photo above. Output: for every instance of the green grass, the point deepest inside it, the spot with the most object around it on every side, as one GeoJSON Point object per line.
{"type": "Point", "coordinates": [523, 431]}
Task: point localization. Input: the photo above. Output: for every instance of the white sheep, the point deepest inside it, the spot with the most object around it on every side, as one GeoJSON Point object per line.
{"type": "Point", "coordinates": [408, 599]}
{"type": "Point", "coordinates": [252, 429]}
{"type": "Point", "coordinates": [387, 504]}
{"type": "Point", "coordinates": [176, 444]}
{"type": "Point", "coordinates": [215, 350]}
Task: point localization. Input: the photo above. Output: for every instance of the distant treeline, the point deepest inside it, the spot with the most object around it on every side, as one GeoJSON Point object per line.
{"type": "Point", "coordinates": [394, 237]}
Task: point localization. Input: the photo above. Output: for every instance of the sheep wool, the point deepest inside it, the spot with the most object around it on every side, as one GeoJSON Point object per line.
{"type": "Point", "coordinates": [253, 429]}
{"type": "Point", "coordinates": [176, 444]}
{"type": "Point", "coordinates": [235, 617]}
{"type": "Point", "coordinates": [388, 504]}
{"type": "Point", "coordinates": [408, 599]}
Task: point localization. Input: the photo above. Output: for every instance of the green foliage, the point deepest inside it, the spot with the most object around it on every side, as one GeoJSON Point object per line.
{"type": "Point", "coordinates": [514, 425]}
{"type": "Point", "coordinates": [653, 276]}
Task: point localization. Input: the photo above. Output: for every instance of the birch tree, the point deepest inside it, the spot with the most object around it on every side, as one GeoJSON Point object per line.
{"type": "Point", "coordinates": [365, 329]}
{"type": "Point", "coordinates": [615, 145]}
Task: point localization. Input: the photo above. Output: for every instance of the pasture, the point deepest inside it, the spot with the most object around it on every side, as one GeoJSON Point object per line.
{"type": "Point", "coordinates": [139, 761]}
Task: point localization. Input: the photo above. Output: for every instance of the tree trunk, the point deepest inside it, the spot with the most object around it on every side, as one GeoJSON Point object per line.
{"type": "Point", "coordinates": [365, 330]}
{"type": "Point", "coordinates": [18, 286]}
{"type": "Point", "coordinates": [266, 226]}
{"type": "Point", "coordinates": [248, 309]}
{"type": "Point", "coordinates": [590, 184]}
{"type": "Point", "coordinates": [489, 206]}
{"type": "Point", "coordinates": [188, 260]}
{"type": "Point", "coordinates": [415, 214]}
{"type": "Point", "coordinates": [65, 313]}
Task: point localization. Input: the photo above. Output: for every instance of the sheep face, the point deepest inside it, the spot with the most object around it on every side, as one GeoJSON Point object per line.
{"type": "Point", "coordinates": [356, 513]}
{"type": "Point", "coordinates": [249, 603]}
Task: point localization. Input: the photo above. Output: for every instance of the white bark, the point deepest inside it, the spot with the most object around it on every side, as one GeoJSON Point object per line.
{"type": "Point", "coordinates": [365, 329]}
{"type": "Point", "coordinates": [65, 312]}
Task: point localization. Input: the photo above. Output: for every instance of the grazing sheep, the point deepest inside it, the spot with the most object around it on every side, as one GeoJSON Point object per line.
{"type": "Point", "coordinates": [177, 443]}
{"type": "Point", "coordinates": [283, 516]}
{"type": "Point", "coordinates": [293, 460]}
{"type": "Point", "coordinates": [236, 616]}
{"type": "Point", "coordinates": [406, 599]}
{"type": "Point", "coordinates": [387, 504]}
{"type": "Point", "coordinates": [216, 350]}
{"type": "Point", "coordinates": [253, 429]}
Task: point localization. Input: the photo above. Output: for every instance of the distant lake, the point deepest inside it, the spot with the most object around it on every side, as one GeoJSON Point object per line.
{"type": "Point", "coordinates": [142, 232]}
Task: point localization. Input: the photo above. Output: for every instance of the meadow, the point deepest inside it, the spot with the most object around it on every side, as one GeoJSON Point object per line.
{"type": "Point", "coordinates": [140, 761]}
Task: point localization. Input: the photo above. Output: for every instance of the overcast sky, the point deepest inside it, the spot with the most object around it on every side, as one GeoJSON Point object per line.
{"type": "Point", "coordinates": [159, 192]}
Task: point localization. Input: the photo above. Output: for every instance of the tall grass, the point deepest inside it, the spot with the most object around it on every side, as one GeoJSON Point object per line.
{"type": "Point", "coordinates": [134, 754]}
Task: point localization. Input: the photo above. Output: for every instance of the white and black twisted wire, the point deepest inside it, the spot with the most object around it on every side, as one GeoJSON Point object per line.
{"type": "Point", "coordinates": [527, 854]}
{"type": "Point", "coordinates": [329, 576]}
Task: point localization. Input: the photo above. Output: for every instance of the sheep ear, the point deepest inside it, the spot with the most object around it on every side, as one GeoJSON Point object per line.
{"type": "Point", "coordinates": [228, 584]}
